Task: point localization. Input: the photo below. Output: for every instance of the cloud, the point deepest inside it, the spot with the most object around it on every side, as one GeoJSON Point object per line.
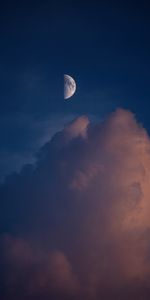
{"type": "Point", "coordinates": [36, 273]}
{"type": "Point", "coordinates": [78, 127]}
{"type": "Point", "coordinates": [22, 135]}
{"type": "Point", "coordinates": [78, 222]}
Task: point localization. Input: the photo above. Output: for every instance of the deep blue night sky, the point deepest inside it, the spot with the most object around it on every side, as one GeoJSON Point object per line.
{"type": "Point", "coordinates": [103, 45]}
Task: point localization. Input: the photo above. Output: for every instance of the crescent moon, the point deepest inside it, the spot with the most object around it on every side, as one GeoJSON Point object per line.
{"type": "Point", "coordinates": [69, 86]}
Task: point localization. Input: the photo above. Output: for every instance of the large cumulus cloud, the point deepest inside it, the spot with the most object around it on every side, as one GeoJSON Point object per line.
{"type": "Point", "coordinates": [77, 224]}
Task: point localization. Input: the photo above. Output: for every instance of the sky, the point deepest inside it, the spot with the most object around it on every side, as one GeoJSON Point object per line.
{"type": "Point", "coordinates": [104, 46]}
{"type": "Point", "coordinates": [74, 174]}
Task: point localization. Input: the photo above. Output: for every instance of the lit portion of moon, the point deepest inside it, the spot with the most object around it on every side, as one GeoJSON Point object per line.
{"type": "Point", "coordinates": [69, 86]}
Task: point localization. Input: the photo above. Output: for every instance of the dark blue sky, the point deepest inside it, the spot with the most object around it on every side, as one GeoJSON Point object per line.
{"type": "Point", "coordinates": [104, 45]}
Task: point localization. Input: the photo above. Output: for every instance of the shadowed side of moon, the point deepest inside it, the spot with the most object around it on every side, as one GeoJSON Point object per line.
{"type": "Point", "coordinates": [69, 86]}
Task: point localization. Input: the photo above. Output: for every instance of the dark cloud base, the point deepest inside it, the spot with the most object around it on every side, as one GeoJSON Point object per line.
{"type": "Point", "coordinates": [76, 225]}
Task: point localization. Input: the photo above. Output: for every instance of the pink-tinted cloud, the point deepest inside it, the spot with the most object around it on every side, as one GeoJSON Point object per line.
{"type": "Point", "coordinates": [77, 128]}
{"type": "Point", "coordinates": [36, 273]}
{"type": "Point", "coordinates": [85, 209]}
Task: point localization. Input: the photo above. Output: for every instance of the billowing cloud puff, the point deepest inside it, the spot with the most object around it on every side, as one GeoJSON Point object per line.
{"type": "Point", "coordinates": [77, 128]}
{"type": "Point", "coordinates": [80, 218]}
{"type": "Point", "coordinates": [34, 273]}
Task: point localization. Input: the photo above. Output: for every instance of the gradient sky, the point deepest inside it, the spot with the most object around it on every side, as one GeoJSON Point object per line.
{"type": "Point", "coordinates": [104, 46]}
{"type": "Point", "coordinates": [74, 192]}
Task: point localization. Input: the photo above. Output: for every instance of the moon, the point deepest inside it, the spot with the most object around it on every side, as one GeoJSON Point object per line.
{"type": "Point", "coordinates": [69, 86]}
